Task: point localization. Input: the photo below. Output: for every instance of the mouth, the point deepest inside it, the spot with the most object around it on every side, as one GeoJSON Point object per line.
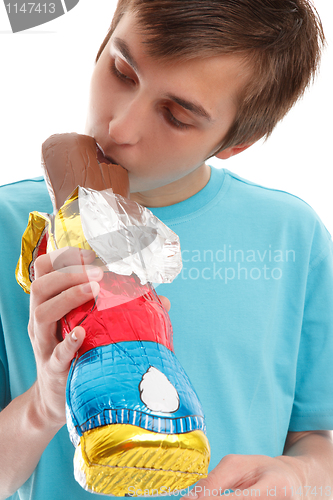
{"type": "Point", "coordinates": [103, 158]}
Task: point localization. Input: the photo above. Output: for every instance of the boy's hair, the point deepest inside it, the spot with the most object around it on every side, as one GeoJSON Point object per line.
{"type": "Point", "coordinates": [279, 40]}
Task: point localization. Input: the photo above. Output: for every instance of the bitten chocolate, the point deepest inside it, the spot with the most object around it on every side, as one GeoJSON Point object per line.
{"type": "Point", "coordinates": [71, 160]}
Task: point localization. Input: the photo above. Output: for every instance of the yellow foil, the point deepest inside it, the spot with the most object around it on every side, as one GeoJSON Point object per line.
{"type": "Point", "coordinates": [122, 459]}
{"type": "Point", "coordinates": [67, 225]}
{"type": "Point", "coordinates": [63, 230]}
{"type": "Point", "coordinates": [31, 237]}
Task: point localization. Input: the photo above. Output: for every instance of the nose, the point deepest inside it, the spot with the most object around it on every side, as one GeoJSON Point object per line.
{"type": "Point", "coordinates": [126, 124]}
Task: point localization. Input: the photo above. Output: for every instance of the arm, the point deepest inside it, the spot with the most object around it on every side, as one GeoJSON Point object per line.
{"type": "Point", "coordinates": [314, 449]}
{"type": "Point", "coordinates": [307, 462]}
{"type": "Point", "coordinates": [31, 420]}
{"type": "Point", "coordinates": [24, 434]}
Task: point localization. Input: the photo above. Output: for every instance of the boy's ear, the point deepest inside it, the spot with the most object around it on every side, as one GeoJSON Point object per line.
{"type": "Point", "coordinates": [232, 151]}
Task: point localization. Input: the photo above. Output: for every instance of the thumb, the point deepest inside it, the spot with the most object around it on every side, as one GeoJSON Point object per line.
{"type": "Point", "coordinates": [220, 480]}
{"type": "Point", "coordinates": [66, 350]}
{"type": "Point", "coordinates": [165, 302]}
{"type": "Point", "coordinates": [208, 486]}
{"type": "Point", "coordinates": [203, 488]}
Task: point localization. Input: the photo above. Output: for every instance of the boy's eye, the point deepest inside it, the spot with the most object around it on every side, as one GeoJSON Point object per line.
{"type": "Point", "coordinates": [120, 75]}
{"type": "Point", "coordinates": [176, 123]}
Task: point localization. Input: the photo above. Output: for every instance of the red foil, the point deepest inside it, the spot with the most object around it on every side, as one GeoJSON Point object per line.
{"type": "Point", "coordinates": [124, 310]}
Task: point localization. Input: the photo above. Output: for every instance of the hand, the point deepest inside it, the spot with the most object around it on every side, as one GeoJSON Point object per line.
{"type": "Point", "coordinates": [64, 280]}
{"type": "Point", "coordinates": [254, 476]}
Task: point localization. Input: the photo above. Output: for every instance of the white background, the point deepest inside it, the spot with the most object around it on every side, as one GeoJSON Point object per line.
{"type": "Point", "coordinates": [45, 73]}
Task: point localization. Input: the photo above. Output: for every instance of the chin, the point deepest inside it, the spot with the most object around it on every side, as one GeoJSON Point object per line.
{"type": "Point", "coordinates": [137, 184]}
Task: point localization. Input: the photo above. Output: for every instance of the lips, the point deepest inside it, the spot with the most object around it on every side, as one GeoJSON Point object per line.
{"type": "Point", "coordinates": [103, 158]}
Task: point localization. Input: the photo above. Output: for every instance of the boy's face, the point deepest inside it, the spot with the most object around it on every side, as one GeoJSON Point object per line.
{"type": "Point", "coordinates": [160, 120]}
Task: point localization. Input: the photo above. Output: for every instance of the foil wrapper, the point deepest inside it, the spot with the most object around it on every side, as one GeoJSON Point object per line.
{"type": "Point", "coordinates": [128, 237]}
{"type": "Point", "coordinates": [34, 243]}
{"type": "Point", "coordinates": [132, 413]}
{"type": "Point", "coordinates": [143, 463]}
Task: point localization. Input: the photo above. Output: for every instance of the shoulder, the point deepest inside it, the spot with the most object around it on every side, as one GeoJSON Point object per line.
{"type": "Point", "coordinates": [273, 201]}
{"type": "Point", "coordinates": [272, 210]}
{"type": "Point", "coordinates": [23, 197]}
{"type": "Point", "coordinates": [17, 200]}
{"type": "Point", "coordinates": [24, 187]}
{"type": "Point", "coordinates": [271, 198]}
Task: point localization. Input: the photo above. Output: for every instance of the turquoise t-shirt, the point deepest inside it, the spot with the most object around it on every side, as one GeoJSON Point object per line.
{"type": "Point", "coordinates": [252, 313]}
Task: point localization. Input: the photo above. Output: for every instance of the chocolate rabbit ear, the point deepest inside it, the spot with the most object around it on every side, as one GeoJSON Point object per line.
{"type": "Point", "coordinates": [71, 160]}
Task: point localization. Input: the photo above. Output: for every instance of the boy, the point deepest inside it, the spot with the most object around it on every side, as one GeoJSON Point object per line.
{"type": "Point", "coordinates": [175, 83]}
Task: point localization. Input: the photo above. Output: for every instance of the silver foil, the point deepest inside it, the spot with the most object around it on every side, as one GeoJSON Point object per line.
{"type": "Point", "coordinates": [128, 238]}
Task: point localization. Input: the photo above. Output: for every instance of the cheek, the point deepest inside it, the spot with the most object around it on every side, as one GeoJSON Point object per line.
{"type": "Point", "coordinates": [97, 94]}
{"type": "Point", "coordinates": [179, 156]}
{"type": "Point", "coordinates": [93, 105]}
{"type": "Point", "coordinates": [100, 92]}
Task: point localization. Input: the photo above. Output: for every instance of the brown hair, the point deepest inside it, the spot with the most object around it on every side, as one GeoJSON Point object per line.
{"type": "Point", "coordinates": [281, 41]}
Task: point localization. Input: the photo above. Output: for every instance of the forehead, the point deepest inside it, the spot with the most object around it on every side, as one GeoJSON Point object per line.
{"type": "Point", "coordinates": [213, 80]}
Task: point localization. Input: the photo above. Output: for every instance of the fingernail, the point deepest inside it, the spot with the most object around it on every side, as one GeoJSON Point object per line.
{"type": "Point", "coordinates": [86, 252]}
{"type": "Point", "coordinates": [93, 273]}
{"type": "Point", "coordinates": [73, 336]}
{"type": "Point", "coordinates": [86, 288]}
{"type": "Point", "coordinates": [91, 287]}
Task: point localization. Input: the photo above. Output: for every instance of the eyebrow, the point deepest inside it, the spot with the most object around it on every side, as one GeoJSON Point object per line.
{"type": "Point", "coordinates": [122, 46]}
{"type": "Point", "coordinates": [195, 108]}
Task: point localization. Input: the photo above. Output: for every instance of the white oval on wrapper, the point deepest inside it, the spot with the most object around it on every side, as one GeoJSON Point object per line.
{"type": "Point", "coordinates": [157, 392]}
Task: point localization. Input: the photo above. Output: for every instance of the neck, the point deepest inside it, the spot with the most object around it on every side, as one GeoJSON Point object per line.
{"type": "Point", "coordinates": [176, 191]}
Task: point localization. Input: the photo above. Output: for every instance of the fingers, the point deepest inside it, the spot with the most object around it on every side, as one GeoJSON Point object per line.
{"type": "Point", "coordinates": [62, 258]}
{"type": "Point", "coordinates": [65, 279]}
{"type": "Point", "coordinates": [54, 293]}
{"type": "Point", "coordinates": [233, 472]}
{"type": "Point", "coordinates": [48, 313]}
{"type": "Point", "coordinates": [241, 476]}
{"type": "Point", "coordinates": [52, 375]}
{"type": "Point", "coordinates": [165, 302]}
{"type": "Point", "coordinates": [66, 350]}
{"type": "Point", "coordinates": [54, 309]}
{"type": "Point", "coordinates": [51, 284]}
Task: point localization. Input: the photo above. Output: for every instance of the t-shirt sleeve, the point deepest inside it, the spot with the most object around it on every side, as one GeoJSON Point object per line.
{"type": "Point", "coordinates": [4, 379]}
{"type": "Point", "coordinates": [313, 400]}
